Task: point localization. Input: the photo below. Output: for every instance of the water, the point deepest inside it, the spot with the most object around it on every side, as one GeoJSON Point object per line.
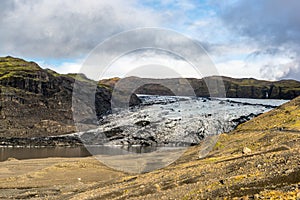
{"type": "Point", "coordinates": [272, 102]}
{"type": "Point", "coordinates": [45, 152]}
{"type": "Point", "coordinates": [22, 153]}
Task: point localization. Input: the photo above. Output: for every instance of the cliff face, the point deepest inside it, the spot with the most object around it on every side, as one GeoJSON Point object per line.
{"type": "Point", "coordinates": [218, 87]}
{"type": "Point", "coordinates": [38, 102]}
{"type": "Point", "coordinates": [252, 88]}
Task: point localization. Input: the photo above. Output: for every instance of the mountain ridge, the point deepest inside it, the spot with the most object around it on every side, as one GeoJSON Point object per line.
{"type": "Point", "coordinates": [213, 86]}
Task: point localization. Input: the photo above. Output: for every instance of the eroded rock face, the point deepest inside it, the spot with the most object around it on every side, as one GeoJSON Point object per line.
{"type": "Point", "coordinates": [38, 102]}
{"type": "Point", "coordinates": [215, 86]}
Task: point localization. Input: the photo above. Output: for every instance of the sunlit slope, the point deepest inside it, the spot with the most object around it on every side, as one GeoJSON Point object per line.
{"type": "Point", "coordinates": [283, 118]}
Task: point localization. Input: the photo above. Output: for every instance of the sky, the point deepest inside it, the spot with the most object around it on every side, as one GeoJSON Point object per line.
{"type": "Point", "coordinates": [258, 38]}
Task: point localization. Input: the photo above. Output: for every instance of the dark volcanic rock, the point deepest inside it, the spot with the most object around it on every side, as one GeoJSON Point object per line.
{"type": "Point", "coordinates": [142, 123]}
{"type": "Point", "coordinates": [66, 141]}
{"type": "Point", "coordinates": [243, 119]}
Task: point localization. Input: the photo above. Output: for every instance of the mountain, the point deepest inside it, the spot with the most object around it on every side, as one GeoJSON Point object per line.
{"type": "Point", "coordinates": [219, 86]}
{"type": "Point", "coordinates": [38, 102]}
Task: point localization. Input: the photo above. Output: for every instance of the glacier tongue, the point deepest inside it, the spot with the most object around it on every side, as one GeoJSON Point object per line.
{"type": "Point", "coordinates": [180, 121]}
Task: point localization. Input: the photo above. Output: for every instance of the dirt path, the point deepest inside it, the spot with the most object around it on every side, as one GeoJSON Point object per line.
{"type": "Point", "coordinates": [52, 177]}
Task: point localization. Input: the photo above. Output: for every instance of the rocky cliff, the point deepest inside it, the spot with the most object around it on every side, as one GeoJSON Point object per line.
{"type": "Point", "coordinates": [219, 86]}
{"type": "Point", "coordinates": [37, 102]}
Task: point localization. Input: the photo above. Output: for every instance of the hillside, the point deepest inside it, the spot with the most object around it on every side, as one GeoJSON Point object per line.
{"type": "Point", "coordinates": [283, 118]}
{"type": "Point", "coordinates": [37, 102]}
{"type": "Point", "coordinates": [233, 88]}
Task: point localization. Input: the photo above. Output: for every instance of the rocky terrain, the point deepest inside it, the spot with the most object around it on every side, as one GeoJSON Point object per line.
{"type": "Point", "coordinates": [219, 86]}
{"type": "Point", "coordinates": [44, 141]}
{"type": "Point", "coordinates": [259, 160]}
{"type": "Point", "coordinates": [37, 102]}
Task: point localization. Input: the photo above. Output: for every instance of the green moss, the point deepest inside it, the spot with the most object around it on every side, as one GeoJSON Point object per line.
{"type": "Point", "coordinates": [16, 64]}
{"type": "Point", "coordinates": [15, 67]}
{"type": "Point", "coordinates": [53, 73]}
{"type": "Point", "coordinates": [105, 86]}
{"type": "Point", "coordinates": [80, 77]}
{"type": "Point", "coordinates": [218, 146]}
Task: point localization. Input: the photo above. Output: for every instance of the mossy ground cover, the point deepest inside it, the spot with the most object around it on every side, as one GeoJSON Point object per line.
{"type": "Point", "coordinates": [10, 64]}
{"type": "Point", "coordinates": [285, 118]}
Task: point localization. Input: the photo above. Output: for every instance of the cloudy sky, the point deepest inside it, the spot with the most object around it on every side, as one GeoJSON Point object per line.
{"type": "Point", "coordinates": [257, 38]}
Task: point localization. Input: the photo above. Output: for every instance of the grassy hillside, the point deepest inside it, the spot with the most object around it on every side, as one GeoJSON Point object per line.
{"type": "Point", "coordinates": [283, 118]}
{"type": "Point", "coordinates": [10, 66]}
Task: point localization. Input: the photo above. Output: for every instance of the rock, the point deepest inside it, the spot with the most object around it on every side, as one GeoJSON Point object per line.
{"type": "Point", "coordinates": [289, 171]}
{"type": "Point", "coordinates": [11, 159]}
{"type": "Point", "coordinates": [113, 132]}
{"type": "Point", "coordinates": [259, 166]}
{"type": "Point", "coordinates": [142, 123]}
{"type": "Point", "coordinates": [67, 141]}
{"type": "Point", "coordinates": [246, 150]}
{"type": "Point", "coordinates": [243, 119]}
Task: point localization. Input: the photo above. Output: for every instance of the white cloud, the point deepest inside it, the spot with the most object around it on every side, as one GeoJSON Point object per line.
{"type": "Point", "coordinates": [261, 66]}
{"type": "Point", "coordinates": [152, 64]}
{"type": "Point", "coordinates": [63, 68]}
{"type": "Point", "coordinates": [69, 67]}
{"type": "Point", "coordinates": [229, 31]}
{"type": "Point", "coordinates": [69, 28]}
{"type": "Point", "coordinates": [274, 26]}
{"type": "Point", "coordinates": [232, 68]}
